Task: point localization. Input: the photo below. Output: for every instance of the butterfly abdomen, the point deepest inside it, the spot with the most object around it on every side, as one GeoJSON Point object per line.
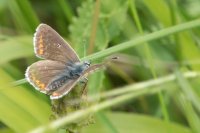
{"type": "Point", "coordinates": [57, 83]}
{"type": "Point", "coordinates": [64, 77]}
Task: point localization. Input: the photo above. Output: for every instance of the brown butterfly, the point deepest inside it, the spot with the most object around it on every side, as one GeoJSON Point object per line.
{"type": "Point", "coordinates": [61, 68]}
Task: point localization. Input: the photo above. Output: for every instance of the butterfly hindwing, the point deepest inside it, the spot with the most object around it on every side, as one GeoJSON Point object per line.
{"type": "Point", "coordinates": [66, 88]}
{"type": "Point", "coordinates": [40, 73]}
{"type": "Point", "coordinates": [48, 44]}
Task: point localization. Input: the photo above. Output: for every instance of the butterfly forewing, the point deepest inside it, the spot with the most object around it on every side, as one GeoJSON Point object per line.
{"type": "Point", "coordinates": [56, 75]}
{"type": "Point", "coordinates": [40, 73]}
{"type": "Point", "coordinates": [66, 88]}
{"type": "Point", "coordinates": [50, 45]}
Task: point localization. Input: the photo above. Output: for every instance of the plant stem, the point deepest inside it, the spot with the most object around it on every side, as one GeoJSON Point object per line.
{"type": "Point", "coordinates": [145, 38]}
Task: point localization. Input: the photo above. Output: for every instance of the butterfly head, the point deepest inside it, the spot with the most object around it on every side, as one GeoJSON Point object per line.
{"type": "Point", "coordinates": [79, 67]}
{"type": "Point", "coordinates": [86, 64]}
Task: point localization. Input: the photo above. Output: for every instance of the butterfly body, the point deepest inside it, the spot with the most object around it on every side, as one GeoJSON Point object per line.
{"type": "Point", "coordinates": [61, 68]}
{"type": "Point", "coordinates": [75, 69]}
{"type": "Point", "coordinates": [71, 72]}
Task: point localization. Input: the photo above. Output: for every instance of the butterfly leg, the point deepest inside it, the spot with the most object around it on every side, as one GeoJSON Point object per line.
{"type": "Point", "coordinates": [84, 82]}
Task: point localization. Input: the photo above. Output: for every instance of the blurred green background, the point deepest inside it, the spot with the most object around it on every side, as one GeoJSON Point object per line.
{"type": "Point", "coordinates": [170, 106]}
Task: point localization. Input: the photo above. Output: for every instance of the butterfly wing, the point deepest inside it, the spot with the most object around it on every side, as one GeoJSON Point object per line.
{"type": "Point", "coordinates": [50, 45]}
{"type": "Point", "coordinates": [40, 73]}
{"type": "Point", "coordinates": [65, 89]}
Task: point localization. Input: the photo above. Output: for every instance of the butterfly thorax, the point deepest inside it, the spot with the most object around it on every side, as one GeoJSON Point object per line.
{"type": "Point", "coordinates": [71, 72]}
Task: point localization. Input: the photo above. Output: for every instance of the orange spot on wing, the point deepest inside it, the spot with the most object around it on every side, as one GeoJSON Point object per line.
{"type": "Point", "coordinates": [37, 82]}
{"type": "Point", "coordinates": [41, 40]}
{"type": "Point", "coordinates": [41, 45]}
{"type": "Point", "coordinates": [41, 51]}
{"type": "Point", "coordinates": [33, 78]}
{"type": "Point", "coordinates": [55, 94]}
{"type": "Point", "coordinates": [42, 86]}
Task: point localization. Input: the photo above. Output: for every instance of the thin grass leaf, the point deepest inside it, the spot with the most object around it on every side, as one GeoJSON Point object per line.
{"type": "Point", "coordinates": [108, 103]}
{"type": "Point", "coordinates": [188, 90]}
{"type": "Point", "coordinates": [145, 38]}
{"type": "Point", "coordinates": [186, 42]}
{"type": "Point", "coordinates": [6, 130]}
{"type": "Point", "coordinates": [28, 13]}
{"type": "Point", "coordinates": [20, 109]}
{"type": "Point", "coordinates": [18, 18]}
{"type": "Point", "coordinates": [18, 46]}
{"type": "Point", "coordinates": [160, 10]}
{"type": "Point", "coordinates": [65, 6]}
{"type": "Point", "coordinates": [106, 123]}
{"type": "Point", "coordinates": [135, 123]}
{"type": "Point", "coordinates": [148, 55]}
{"type": "Point", "coordinates": [191, 116]}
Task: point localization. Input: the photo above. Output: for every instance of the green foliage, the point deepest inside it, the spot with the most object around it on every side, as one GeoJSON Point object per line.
{"type": "Point", "coordinates": [20, 109]}
{"type": "Point", "coordinates": [21, 47]}
{"type": "Point", "coordinates": [110, 19]}
{"type": "Point", "coordinates": [158, 42]}
{"type": "Point", "coordinates": [126, 122]}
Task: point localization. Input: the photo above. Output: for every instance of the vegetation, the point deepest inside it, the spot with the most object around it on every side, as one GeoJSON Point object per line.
{"type": "Point", "coordinates": [152, 87]}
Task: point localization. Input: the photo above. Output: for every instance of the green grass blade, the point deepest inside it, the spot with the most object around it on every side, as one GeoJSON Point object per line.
{"type": "Point", "coordinates": [28, 13]}
{"type": "Point", "coordinates": [148, 55]}
{"type": "Point", "coordinates": [146, 38]}
{"type": "Point", "coordinates": [64, 5]}
{"type": "Point", "coordinates": [188, 90]}
{"type": "Point", "coordinates": [18, 18]}
{"type": "Point", "coordinates": [160, 10]}
{"type": "Point", "coordinates": [143, 89]}
{"type": "Point", "coordinates": [135, 123]}
{"type": "Point", "coordinates": [19, 47]}
{"type": "Point", "coordinates": [189, 112]}
{"type": "Point", "coordinates": [19, 108]}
